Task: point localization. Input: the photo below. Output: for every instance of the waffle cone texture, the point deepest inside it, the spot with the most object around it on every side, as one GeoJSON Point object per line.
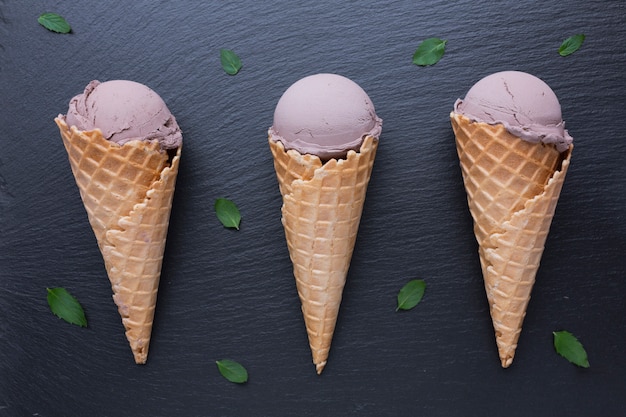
{"type": "Point", "coordinates": [513, 187]}
{"type": "Point", "coordinates": [322, 206]}
{"type": "Point", "coordinates": [127, 192]}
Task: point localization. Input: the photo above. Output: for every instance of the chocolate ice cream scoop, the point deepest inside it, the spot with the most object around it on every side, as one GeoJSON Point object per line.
{"type": "Point", "coordinates": [325, 115]}
{"type": "Point", "coordinates": [524, 104]}
{"type": "Point", "coordinates": [124, 111]}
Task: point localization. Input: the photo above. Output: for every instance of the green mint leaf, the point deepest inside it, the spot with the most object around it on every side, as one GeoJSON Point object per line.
{"type": "Point", "coordinates": [232, 371]}
{"type": "Point", "coordinates": [570, 348]}
{"type": "Point", "coordinates": [571, 44]}
{"type": "Point", "coordinates": [54, 22]}
{"type": "Point", "coordinates": [66, 307]}
{"type": "Point", "coordinates": [230, 61]}
{"type": "Point", "coordinates": [411, 294]}
{"type": "Point", "coordinates": [228, 213]}
{"type": "Point", "coordinates": [429, 52]}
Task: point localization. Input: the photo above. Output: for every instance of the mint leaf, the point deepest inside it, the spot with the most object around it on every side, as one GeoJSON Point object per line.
{"type": "Point", "coordinates": [66, 307]}
{"type": "Point", "coordinates": [570, 348]}
{"type": "Point", "coordinates": [429, 52]}
{"type": "Point", "coordinates": [230, 61]}
{"type": "Point", "coordinates": [54, 23]}
{"type": "Point", "coordinates": [232, 371]}
{"type": "Point", "coordinates": [571, 44]}
{"type": "Point", "coordinates": [228, 213]}
{"type": "Point", "coordinates": [411, 294]}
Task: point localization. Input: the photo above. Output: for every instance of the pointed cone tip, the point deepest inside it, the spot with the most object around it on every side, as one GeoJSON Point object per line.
{"type": "Point", "coordinates": [319, 367]}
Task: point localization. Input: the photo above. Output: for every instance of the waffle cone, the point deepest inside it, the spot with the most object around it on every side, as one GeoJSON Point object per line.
{"type": "Point", "coordinates": [512, 190]}
{"type": "Point", "coordinates": [127, 192]}
{"type": "Point", "coordinates": [322, 205]}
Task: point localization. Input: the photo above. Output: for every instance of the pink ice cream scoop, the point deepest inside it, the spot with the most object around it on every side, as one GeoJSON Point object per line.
{"type": "Point", "coordinates": [523, 103]}
{"type": "Point", "coordinates": [325, 115]}
{"type": "Point", "coordinates": [124, 111]}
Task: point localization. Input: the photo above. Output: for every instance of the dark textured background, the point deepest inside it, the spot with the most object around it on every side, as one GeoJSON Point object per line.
{"type": "Point", "coordinates": [228, 294]}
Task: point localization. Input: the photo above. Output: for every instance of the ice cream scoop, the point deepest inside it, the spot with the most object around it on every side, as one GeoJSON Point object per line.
{"type": "Point", "coordinates": [124, 111]}
{"type": "Point", "coordinates": [325, 115]}
{"type": "Point", "coordinates": [523, 103]}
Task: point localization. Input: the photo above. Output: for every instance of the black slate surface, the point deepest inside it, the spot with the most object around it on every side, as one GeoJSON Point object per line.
{"type": "Point", "coordinates": [228, 294]}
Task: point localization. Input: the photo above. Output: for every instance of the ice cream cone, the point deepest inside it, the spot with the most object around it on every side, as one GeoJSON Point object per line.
{"type": "Point", "coordinates": [127, 192]}
{"type": "Point", "coordinates": [322, 205]}
{"type": "Point", "coordinates": [512, 190]}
